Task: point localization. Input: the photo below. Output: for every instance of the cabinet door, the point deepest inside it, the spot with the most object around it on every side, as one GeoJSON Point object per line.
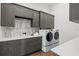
{"type": "Point", "coordinates": [74, 12]}
{"type": "Point", "coordinates": [28, 13]}
{"type": "Point", "coordinates": [11, 48]}
{"type": "Point", "coordinates": [22, 12]}
{"type": "Point", "coordinates": [35, 21]}
{"type": "Point", "coordinates": [46, 21]}
{"type": "Point", "coordinates": [50, 21]}
{"type": "Point", "coordinates": [43, 20]}
{"type": "Point", "coordinates": [32, 44]}
{"type": "Point", "coordinates": [7, 15]}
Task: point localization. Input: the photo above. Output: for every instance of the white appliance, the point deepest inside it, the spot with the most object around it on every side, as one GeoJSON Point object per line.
{"type": "Point", "coordinates": [48, 39]}
{"type": "Point", "coordinates": [56, 37]}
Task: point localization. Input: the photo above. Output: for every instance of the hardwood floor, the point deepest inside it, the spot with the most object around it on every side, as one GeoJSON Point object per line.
{"type": "Point", "coordinates": [40, 53]}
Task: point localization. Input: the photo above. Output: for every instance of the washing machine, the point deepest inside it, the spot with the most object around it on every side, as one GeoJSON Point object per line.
{"type": "Point", "coordinates": [50, 39]}
{"type": "Point", "coordinates": [47, 39]}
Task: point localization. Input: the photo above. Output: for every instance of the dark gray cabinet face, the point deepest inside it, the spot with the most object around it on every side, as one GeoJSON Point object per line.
{"type": "Point", "coordinates": [32, 44]}
{"type": "Point", "coordinates": [50, 21]}
{"type": "Point", "coordinates": [20, 47]}
{"type": "Point", "coordinates": [74, 12]}
{"type": "Point", "coordinates": [22, 12]}
{"type": "Point", "coordinates": [7, 15]}
{"type": "Point", "coordinates": [46, 21]}
{"type": "Point", "coordinates": [43, 19]}
{"type": "Point", "coordinates": [11, 48]}
{"type": "Point", "coordinates": [9, 11]}
{"type": "Point", "coordinates": [35, 21]}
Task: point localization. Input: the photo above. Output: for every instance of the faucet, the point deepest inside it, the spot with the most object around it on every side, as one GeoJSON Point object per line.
{"type": "Point", "coordinates": [24, 33]}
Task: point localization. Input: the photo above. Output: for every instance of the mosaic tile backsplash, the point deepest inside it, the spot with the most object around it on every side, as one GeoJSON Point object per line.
{"type": "Point", "coordinates": [21, 26]}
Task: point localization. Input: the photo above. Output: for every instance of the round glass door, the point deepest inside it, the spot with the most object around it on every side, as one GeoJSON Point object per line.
{"type": "Point", "coordinates": [49, 36]}
{"type": "Point", "coordinates": [56, 35]}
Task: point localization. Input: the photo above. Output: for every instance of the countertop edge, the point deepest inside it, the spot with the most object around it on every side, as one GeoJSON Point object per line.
{"type": "Point", "coordinates": [17, 38]}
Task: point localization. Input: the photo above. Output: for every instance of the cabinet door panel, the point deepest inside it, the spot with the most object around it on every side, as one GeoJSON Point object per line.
{"type": "Point", "coordinates": [7, 15]}
{"type": "Point", "coordinates": [28, 13]}
{"type": "Point", "coordinates": [11, 48]}
{"type": "Point", "coordinates": [18, 11]}
{"type": "Point", "coordinates": [46, 21]}
{"type": "Point", "coordinates": [35, 21]}
{"type": "Point", "coordinates": [32, 44]}
{"type": "Point", "coordinates": [50, 21]}
{"type": "Point", "coordinates": [22, 12]}
{"type": "Point", "coordinates": [43, 20]}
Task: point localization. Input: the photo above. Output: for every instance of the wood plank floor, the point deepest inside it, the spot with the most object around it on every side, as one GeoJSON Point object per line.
{"type": "Point", "coordinates": [49, 53]}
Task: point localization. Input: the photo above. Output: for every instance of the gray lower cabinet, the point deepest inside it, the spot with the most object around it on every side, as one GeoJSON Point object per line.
{"type": "Point", "coordinates": [74, 12]}
{"type": "Point", "coordinates": [11, 48]}
{"type": "Point", "coordinates": [35, 21]}
{"type": "Point", "coordinates": [32, 44]}
{"type": "Point", "coordinates": [7, 15]}
{"type": "Point", "coordinates": [46, 20]}
{"type": "Point", "coordinates": [20, 47]}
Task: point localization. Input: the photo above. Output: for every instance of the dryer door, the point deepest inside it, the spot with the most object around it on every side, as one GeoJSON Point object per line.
{"type": "Point", "coordinates": [49, 36]}
{"type": "Point", "coordinates": [56, 35]}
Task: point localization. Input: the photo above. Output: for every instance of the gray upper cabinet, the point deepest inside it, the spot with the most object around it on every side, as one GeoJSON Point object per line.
{"type": "Point", "coordinates": [74, 12]}
{"type": "Point", "coordinates": [46, 21]}
{"type": "Point", "coordinates": [38, 19]}
{"type": "Point", "coordinates": [22, 11]}
{"type": "Point", "coordinates": [50, 21]}
{"type": "Point", "coordinates": [35, 21]}
{"type": "Point", "coordinates": [43, 19]}
{"type": "Point", "coordinates": [10, 11]}
{"type": "Point", "coordinates": [7, 15]}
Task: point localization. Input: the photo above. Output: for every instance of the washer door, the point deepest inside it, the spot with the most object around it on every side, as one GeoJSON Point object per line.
{"type": "Point", "coordinates": [56, 35]}
{"type": "Point", "coordinates": [49, 36]}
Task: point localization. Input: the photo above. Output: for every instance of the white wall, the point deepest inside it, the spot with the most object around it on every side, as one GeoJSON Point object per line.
{"type": "Point", "coordinates": [68, 30]}
{"type": "Point", "coordinates": [0, 21]}
{"type": "Point", "coordinates": [0, 13]}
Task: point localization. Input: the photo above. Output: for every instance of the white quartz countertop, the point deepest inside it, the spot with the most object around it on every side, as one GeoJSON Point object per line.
{"type": "Point", "coordinates": [70, 48]}
{"type": "Point", "coordinates": [19, 37]}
